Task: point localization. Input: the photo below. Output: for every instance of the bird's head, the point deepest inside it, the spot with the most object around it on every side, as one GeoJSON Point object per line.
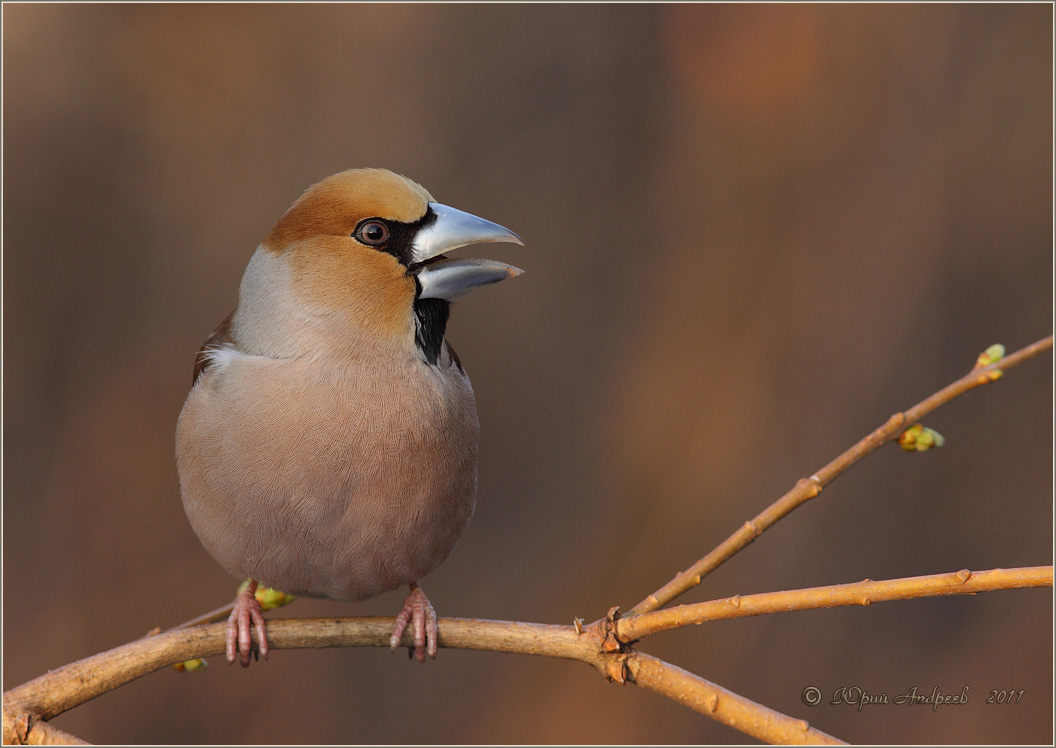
{"type": "Point", "coordinates": [357, 263]}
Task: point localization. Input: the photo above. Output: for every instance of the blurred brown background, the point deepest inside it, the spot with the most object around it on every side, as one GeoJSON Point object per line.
{"type": "Point", "coordinates": [754, 232]}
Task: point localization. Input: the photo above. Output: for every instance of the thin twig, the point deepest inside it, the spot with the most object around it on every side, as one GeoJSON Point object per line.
{"type": "Point", "coordinates": [961, 582]}
{"type": "Point", "coordinates": [224, 611]}
{"type": "Point", "coordinates": [214, 616]}
{"type": "Point", "coordinates": [807, 488]}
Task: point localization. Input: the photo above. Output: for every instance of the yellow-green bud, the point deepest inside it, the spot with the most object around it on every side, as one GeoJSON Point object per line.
{"type": "Point", "coordinates": [994, 353]}
{"type": "Point", "coordinates": [198, 663]}
{"type": "Point", "coordinates": [908, 438]}
{"type": "Point", "coordinates": [270, 598]}
{"type": "Point", "coordinates": [919, 438]}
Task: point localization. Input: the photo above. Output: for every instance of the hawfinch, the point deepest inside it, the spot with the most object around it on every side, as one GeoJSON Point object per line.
{"type": "Point", "coordinates": [328, 446]}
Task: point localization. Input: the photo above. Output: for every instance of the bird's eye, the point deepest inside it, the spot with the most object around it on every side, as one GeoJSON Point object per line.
{"type": "Point", "coordinates": [372, 232]}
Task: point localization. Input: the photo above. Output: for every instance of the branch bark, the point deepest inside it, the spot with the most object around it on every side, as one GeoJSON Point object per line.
{"type": "Point", "coordinates": [725, 706]}
{"type": "Point", "coordinates": [867, 592]}
{"type": "Point", "coordinates": [29, 729]}
{"type": "Point", "coordinates": [807, 488]}
{"type": "Point", "coordinates": [71, 685]}
{"type": "Point", "coordinates": [603, 645]}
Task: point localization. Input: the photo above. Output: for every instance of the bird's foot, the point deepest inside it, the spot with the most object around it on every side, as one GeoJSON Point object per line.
{"type": "Point", "coordinates": [417, 609]}
{"type": "Point", "coordinates": [245, 611]}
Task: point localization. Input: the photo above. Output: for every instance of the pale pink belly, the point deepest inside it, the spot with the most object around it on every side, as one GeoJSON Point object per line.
{"type": "Point", "coordinates": [331, 491]}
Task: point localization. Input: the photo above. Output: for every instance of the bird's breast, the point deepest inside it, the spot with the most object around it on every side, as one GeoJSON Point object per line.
{"type": "Point", "coordinates": [342, 479]}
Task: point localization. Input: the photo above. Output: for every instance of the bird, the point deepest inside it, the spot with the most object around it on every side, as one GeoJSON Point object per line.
{"type": "Point", "coordinates": [328, 445]}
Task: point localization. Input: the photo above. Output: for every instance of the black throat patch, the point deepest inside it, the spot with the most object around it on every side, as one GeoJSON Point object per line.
{"type": "Point", "coordinates": [430, 316]}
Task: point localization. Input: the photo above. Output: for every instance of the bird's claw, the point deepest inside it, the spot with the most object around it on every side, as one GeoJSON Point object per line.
{"type": "Point", "coordinates": [419, 611]}
{"type": "Point", "coordinates": [239, 641]}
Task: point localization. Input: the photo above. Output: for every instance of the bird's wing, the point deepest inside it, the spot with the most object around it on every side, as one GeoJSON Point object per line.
{"type": "Point", "coordinates": [220, 338]}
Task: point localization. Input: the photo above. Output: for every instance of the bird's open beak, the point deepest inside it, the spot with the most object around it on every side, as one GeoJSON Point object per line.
{"type": "Point", "coordinates": [443, 278]}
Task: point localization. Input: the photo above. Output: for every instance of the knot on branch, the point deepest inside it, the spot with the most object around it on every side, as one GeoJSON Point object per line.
{"type": "Point", "coordinates": [22, 727]}
{"type": "Point", "coordinates": [614, 652]}
{"type": "Point", "coordinates": [616, 670]}
{"type": "Point", "coordinates": [610, 640]}
{"type": "Point", "coordinates": [16, 728]}
{"type": "Point", "coordinates": [895, 421]}
{"type": "Point", "coordinates": [810, 487]}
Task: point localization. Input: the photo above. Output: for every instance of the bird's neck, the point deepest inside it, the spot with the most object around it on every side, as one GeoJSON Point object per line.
{"type": "Point", "coordinates": [276, 319]}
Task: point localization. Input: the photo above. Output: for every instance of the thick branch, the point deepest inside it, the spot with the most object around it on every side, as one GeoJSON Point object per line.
{"type": "Point", "coordinates": [78, 682]}
{"type": "Point", "coordinates": [65, 688]}
{"type": "Point", "coordinates": [962, 582]}
{"type": "Point", "coordinates": [807, 488]}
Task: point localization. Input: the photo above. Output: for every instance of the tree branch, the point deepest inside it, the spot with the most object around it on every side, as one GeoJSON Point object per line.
{"type": "Point", "coordinates": [807, 488]}
{"type": "Point", "coordinates": [29, 729]}
{"type": "Point", "coordinates": [71, 685]}
{"type": "Point", "coordinates": [963, 582]}
{"type": "Point", "coordinates": [725, 706]}
{"type": "Point", "coordinates": [603, 645]}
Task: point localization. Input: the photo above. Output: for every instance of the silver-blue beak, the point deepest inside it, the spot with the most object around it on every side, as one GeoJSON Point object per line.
{"type": "Point", "coordinates": [452, 279]}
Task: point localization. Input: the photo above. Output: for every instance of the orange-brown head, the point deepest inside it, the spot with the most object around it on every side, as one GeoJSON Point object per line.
{"type": "Point", "coordinates": [356, 265]}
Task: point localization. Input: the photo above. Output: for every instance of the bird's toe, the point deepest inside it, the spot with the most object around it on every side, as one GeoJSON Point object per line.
{"type": "Point", "coordinates": [246, 613]}
{"type": "Point", "coordinates": [420, 614]}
